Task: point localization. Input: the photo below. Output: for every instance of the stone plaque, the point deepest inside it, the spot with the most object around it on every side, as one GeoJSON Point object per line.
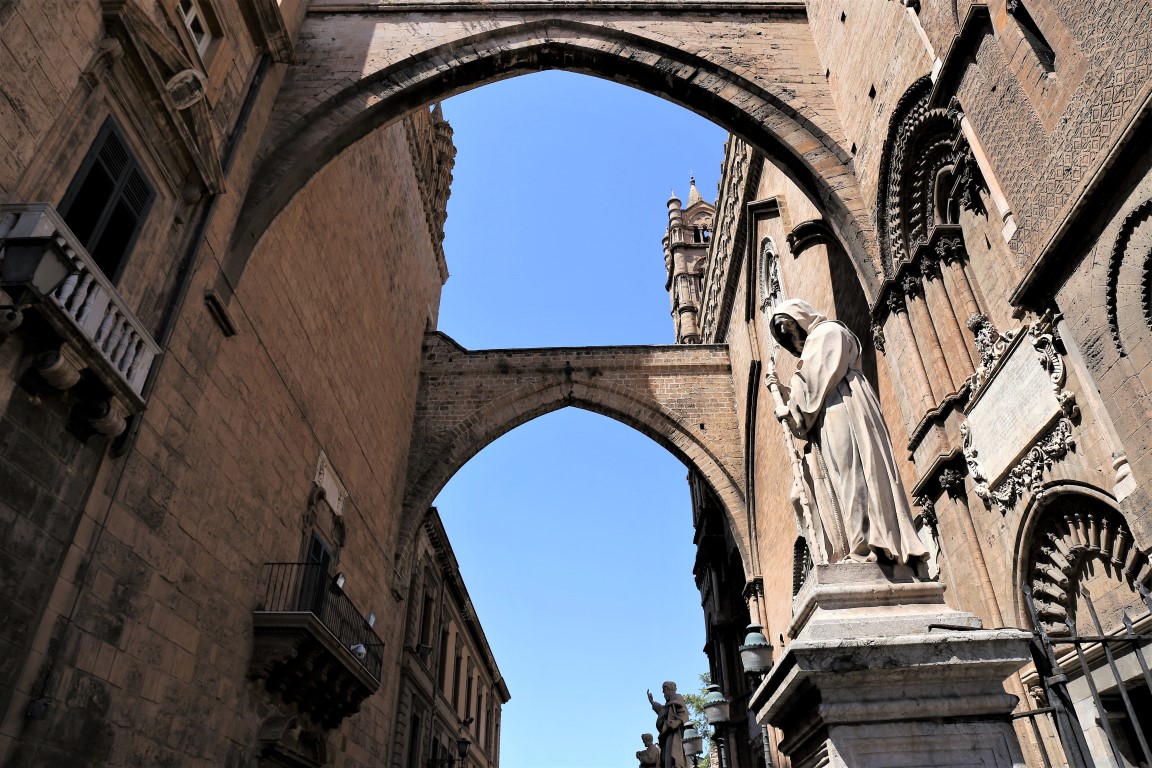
{"type": "Point", "coordinates": [1012, 410]}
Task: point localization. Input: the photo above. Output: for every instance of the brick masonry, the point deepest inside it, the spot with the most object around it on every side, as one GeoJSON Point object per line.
{"type": "Point", "coordinates": [680, 396]}
{"type": "Point", "coordinates": [128, 578]}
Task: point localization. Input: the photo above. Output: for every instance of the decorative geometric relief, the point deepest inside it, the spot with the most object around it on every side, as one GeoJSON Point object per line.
{"type": "Point", "coordinates": [1129, 293]}
{"type": "Point", "coordinates": [1074, 539]}
{"type": "Point", "coordinates": [1020, 416]}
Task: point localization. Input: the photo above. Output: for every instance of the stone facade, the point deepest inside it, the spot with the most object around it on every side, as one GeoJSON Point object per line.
{"type": "Point", "coordinates": [220, 437]}
{"type": "Point", "coordinates": [451, 689]}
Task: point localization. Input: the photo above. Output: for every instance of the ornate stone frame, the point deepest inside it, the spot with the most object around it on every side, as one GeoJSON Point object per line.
{"type": "Point", "coordinates": [1026, 475]}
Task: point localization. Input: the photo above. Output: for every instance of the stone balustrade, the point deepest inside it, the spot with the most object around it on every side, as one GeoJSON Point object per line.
{"type": "Point", "coordinates": [86, 310]}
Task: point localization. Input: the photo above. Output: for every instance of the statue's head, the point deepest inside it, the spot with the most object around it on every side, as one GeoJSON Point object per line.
{"type": "Point", "coordinates": [791, 323]}
{"type": "Point", "coordinates": [669, 689]}
{"type": "Point", "coordinates": [647, 739]}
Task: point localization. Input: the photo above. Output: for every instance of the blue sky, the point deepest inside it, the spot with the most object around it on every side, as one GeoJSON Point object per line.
{"type": "Point", "coordinates": [573, 531]}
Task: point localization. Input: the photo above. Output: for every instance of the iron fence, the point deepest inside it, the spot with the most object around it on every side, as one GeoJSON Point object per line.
{"type": "Point", "coordinates": [1121, 709]}
{"type": "Point", "coordinates": [309, 588]}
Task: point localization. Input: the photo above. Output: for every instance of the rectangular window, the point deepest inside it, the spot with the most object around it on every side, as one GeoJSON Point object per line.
{"type": "Point", "coordinates": [107, 201]}
{"type": "Point", "coordinates": [193, 19]}
{"type": "Point", "coordinates": [426, 619]}
{"type": "Point", "coordinates": [468, 698]}
{"type": "Point", "coordinates": [315, 578]}
{"type": "Point", "coordinates": [442, 669]}
{"type": "Point", "coordinates": [414, 743]}
{"type": "Point", "coordinates": [456, 681]}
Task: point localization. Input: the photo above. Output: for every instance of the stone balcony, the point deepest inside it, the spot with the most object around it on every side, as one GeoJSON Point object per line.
{"type": "Point", "coordinates": [98, 331]}
{"type": "Point", "coordinates": [311, 646]}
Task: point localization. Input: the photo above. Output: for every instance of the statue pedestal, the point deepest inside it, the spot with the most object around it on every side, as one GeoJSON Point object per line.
{"type": "Point", "coordinates": [882, 673]}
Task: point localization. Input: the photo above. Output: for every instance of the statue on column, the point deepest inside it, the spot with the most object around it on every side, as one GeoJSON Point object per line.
{"type": "Point", "coordinates": [863, 508]}
{"type": "Point", "coordinates": [671, 720]}
{"type": "Point", "coordinates": [649, 757]}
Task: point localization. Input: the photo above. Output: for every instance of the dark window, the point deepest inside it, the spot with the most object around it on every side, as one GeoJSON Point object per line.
{"type": "Point", "coordinates": [456, 682]}
{"type": "Point", "coordinates": [426, 619]}
{"type": "Point", "coordinates": [317, 569]}
{"type": "Point", "coordinates": [107, 201]}
{"type": "Point", "coordinates": [442, 670]}
{"type": "Point", "coordinates": [468, 698]}
{"type": "Point", "coordinates": [414, 743]}
{"type": "Point", "coordinates": [1031, 31]}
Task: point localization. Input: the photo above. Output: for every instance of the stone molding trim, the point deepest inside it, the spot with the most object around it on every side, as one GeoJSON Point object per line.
{"type": "Point", "coordinates": [1063, 544]}
{"type": "Point", "coordinates": [151, 61]}
{"type": "Point", "coordinates": [1129, 289]}
{"type": "Point", "coordinates": [740, 175]}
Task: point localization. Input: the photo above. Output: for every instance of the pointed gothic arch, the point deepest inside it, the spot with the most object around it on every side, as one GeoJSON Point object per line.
{"type": "Point", "coordinates": [638, 386]}
{"type": "Point", "coordinates": [317, 118]}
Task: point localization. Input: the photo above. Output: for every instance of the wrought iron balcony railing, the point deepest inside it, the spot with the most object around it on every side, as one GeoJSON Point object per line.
{"type": "Point", "coordinates": [86, 310]}
{"type": "Point", "coordinates": [293, 587]}
{"type": "Point", "coordinates": [311, 645]}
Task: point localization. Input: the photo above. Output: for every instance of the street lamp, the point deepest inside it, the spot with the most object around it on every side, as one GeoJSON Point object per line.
{"type": "Point", "coordinates": [462, 745]}
{"type": "Point", "coordinates": [756, 653]}
{"type": "Point", "coordinates": [716, 713]}
{"type": "Point", "coordinates": [32, 268]}
{"type": "Point", "coordinates": [715, 706]}
{"type": "Point", "coordinates": [693, 744]}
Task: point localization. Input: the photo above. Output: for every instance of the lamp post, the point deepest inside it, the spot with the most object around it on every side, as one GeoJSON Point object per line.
{"type": "Point", "coordinates": [716, 713]}
{"type": "Point", "coordinates": [31, 269]}
{"type": "Point", "coordinates": [448, 761]}
{"type": "Point", "coordinates": [693, 744]}
{"type": "Point", "coordinates": [756, 653]}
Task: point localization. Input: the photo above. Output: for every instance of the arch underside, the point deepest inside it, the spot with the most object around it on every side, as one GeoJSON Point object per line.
{"type": "Point", "coordinates": [504, 414]}
{"type": "Point", "coordinates": [311, 128]}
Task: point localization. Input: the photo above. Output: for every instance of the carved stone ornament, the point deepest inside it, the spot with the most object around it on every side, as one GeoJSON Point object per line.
{"type": "Point", "coordinates": [927, 513]}
{"type": "Point", "coordinates": [1017, 421]}
{"type": "Point", "coordinates": [1028, 474]}
{"type": "Point", "coordinates": [951, 481]}
{"type": "Point", "coordinates": [969, 181]}
{"type": "Point", "coordinates": [1067, 540]}
{"type": "Point", "coordinates": [878, 337]}
{"type": "Point", "coordinates": [186, 87]}
{"type": "Point", "coordinates": [990, 343]}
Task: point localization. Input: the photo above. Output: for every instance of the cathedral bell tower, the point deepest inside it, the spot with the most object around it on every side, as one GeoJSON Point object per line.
{"type": "Point", "coordinates": [685, 258]}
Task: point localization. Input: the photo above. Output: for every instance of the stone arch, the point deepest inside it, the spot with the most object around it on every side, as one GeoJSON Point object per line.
{"type": "Point", "coordinates": [1129, 292]}
{"type": "Point", "coordinates": [924, 149]}
{"type": "Point", "coordinates": [703, 437]}
{"type": "Point", "coordinates": [311, 127]}
{"type": "Point", "coordinates": [1073, 534]}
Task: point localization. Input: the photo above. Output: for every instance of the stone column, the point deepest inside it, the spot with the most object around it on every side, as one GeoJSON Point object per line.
{"type": "Point", "coordinates": [898, 307]}
{"type": "Point", "coordinates": [882, 673]}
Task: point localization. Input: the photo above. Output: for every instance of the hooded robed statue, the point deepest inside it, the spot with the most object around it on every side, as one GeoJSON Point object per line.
{"type": "Point", "coordinates": [830, 403]}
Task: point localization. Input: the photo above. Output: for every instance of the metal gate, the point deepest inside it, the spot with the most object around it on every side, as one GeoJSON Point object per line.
{"type": "Point", "coordinates": [1124, 717]}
